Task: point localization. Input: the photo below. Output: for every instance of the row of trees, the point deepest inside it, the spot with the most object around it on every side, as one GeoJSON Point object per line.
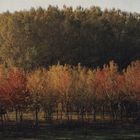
{"type": "Point", "coordinates": [65, 91]}
{"type": "Point", "coordinates": [91, 37]}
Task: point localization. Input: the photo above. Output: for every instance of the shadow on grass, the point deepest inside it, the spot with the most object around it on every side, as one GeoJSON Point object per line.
{"type": "Point", "coordinates": [71, 131]}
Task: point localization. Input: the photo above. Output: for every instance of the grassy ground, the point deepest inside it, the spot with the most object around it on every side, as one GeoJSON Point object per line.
{"type": "Point", "coordinates": [72, 131]}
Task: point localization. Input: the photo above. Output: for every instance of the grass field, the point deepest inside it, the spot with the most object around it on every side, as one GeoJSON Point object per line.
{"type": "Point", "coordinates": [71, 132]}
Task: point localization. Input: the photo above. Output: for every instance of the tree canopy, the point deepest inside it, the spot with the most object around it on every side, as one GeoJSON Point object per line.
{"type": "Point", "coordinates": [92, 37]}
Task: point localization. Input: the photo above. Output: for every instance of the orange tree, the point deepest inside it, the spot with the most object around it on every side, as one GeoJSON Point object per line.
{"type": "Point", "coordinates": [5, 100]}
{"type": "Point", "coordinates": [132, 83]}
{"type": "Point", "coordinates": [109, 87]}
{"type": "Point", "coordinates": [16, 82]}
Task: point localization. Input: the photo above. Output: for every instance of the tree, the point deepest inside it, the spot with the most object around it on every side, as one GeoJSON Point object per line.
{"type": "Point", "coordinates": [132, 86]}
{"type": "Point", "coordinates": [16, 81]}
{"type": "Point", "coordinates": [34, 85]}
{"type": "Point", "coordinates": [60, 80]}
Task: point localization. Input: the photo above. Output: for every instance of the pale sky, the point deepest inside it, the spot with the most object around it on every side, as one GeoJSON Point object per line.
{"type": "Point", "coordinates": [126, 5]}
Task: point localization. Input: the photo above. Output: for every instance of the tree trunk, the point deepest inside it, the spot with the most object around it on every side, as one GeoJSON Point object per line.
{"type": "Point", "coordinates": [21, 116]}
{"type": "Point", "coordinates": [68, 117]}
{"type": "Point", "coordinates": [2, 122]}
{"type": "Point", "coordinates": [67, 112]}
{"type": "Point", "coordinates": [103, 113]}
{"type": "Point", "coordinates": [16, 111]}
{"type": "Point", "coordinates": [57, 115]}
{"type": "Point", "coordinates": [61, 114]}
{"type": "Point", "coordinates": [121, 113]}
{"type": "Point", "coordinates": [94, 114]}
{"type": "Point", "coordinates": [78, 118]}
{"type": "Point", "coordinates": [36, 117]}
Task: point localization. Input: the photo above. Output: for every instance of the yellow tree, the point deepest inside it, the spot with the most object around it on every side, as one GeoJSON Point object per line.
{"type": "Point", "coordinates": [49, 95]}
{"type": "Point", "coordinates": [34, 86]}
{"type": "Point", "coordinates": [79, 90]}
{"type": "Point", "coordinates": [59, 79]}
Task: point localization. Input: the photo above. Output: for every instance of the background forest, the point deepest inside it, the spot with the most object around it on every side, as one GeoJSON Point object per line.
{"type": "Point", "coordinates": [92, 37]}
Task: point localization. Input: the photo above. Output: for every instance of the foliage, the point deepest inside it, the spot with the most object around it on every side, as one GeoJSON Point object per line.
{"type": "Point", "coordinates": [91, 37]}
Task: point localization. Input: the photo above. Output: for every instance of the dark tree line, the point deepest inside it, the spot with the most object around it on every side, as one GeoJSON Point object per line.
{"type": "Point", "coordinates": [92, 37]}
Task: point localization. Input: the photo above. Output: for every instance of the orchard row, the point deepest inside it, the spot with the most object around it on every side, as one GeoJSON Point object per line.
{"type": "Point", "coordinates": [65, 90]}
